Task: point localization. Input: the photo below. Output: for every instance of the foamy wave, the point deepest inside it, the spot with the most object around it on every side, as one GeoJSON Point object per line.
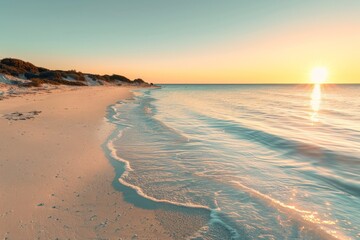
{"type": "Point", "coordinates": [214, 218]}
{"type": "Point", "coordinates": [139, 190]}
{"type": "Point", "coordinates": [113, 154]}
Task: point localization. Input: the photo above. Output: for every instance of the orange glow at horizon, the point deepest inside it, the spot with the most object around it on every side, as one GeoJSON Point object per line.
{"type": "Point", "coordinates": [282, 55]}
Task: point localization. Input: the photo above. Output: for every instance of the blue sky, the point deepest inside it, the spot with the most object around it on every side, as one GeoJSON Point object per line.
{"type": "Point", "coordinates": [150, 38]}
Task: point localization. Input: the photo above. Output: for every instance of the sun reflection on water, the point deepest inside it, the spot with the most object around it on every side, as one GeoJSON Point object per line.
{"type": "Point", "coordinates": [318, 76]}
{"type": "Point", "coordinates": [315, 102]}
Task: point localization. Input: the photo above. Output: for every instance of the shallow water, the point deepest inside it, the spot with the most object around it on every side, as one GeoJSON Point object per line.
{"type": "Point", "coordinates": [268, 161]}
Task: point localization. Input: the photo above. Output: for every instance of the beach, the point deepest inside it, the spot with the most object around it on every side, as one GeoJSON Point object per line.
{"type": "Point", "coordinates": [111, 162]}
{"type": "Point", "coordinates": [186, 120]}
{"type": "Point", "coordinates": [55, 180]}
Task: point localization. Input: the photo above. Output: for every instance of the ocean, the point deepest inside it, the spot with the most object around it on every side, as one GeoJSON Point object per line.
{"type": "Point", "coordinates": [266, 161]}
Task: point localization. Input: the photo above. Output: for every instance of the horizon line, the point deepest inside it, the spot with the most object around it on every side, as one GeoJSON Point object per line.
{"type": "Point", "coordinates": [255, 83]}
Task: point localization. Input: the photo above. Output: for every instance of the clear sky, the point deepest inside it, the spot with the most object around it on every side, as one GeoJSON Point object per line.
{"type": "Point", "coordinates": [187, 41]}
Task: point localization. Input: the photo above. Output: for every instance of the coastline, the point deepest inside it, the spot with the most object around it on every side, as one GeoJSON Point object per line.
{"type": "Point", "coordinates": [55, 178]}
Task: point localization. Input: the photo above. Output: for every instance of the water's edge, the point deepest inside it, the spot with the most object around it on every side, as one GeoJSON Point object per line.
{"type": "Point", "coordinates": [132, 195]}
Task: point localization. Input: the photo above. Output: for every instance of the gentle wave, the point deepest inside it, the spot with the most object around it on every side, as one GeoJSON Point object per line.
{"type": "Point", "coordinates": [214, 219]}
{"type": "Point", "coordinates": [140, 191]}
{"type": "Point", "coordinates": [310, 218]}
{"type": "Point", "coordinates": [251, 158]}
{"type": "Point", "coordinates": [291, 147]}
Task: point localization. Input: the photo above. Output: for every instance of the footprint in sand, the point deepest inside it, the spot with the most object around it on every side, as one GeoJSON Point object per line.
{"type": "Point", "coordinates": [15, 116]}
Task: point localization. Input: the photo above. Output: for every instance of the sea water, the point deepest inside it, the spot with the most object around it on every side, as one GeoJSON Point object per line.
{"type": "Point", "coordinates": [267, 161]}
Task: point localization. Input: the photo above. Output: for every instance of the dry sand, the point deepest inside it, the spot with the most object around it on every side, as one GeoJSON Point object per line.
{"type": "Point", "coordinates": [55, 180]}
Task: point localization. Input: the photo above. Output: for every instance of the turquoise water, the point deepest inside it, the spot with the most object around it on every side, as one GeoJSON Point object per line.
{"type": "Point", "coordinates": [267, 161]}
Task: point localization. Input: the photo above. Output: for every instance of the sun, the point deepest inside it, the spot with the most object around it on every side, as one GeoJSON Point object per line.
{"type": "Point", "coordinates": [319, 75]}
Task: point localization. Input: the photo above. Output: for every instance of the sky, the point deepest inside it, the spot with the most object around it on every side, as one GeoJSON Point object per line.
{"type": "Point", "coordinates": [187, 41]}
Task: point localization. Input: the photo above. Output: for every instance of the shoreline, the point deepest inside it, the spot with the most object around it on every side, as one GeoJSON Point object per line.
{"type": "Point", "coordinates": [180, 220]}
{"type": "Point", "coordinates": [56, 181]}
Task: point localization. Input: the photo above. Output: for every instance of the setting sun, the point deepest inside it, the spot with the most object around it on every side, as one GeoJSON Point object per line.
{"type": "Point", "coordinates": [198, 119]}
{"type": "Point", "coordinates": [319, 74]}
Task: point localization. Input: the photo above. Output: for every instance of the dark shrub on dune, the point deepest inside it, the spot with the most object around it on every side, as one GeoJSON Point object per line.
{"type": "Point", "coordinates": [40, 75]}
{"type": "Point", "coordinates": [71, 83]}
{"type": "Point", "coordinates": [51, 75]}
{"type": "Point", "coordinates": [95, 77]}
{"type": "Point", "coordinates": [41, 69]}
{"type": "Point", "coordinates": [21, 66]}
{"type": "Point", "coordinates": [78, 76]}
{"type": "Point", "coordinates": [105, 78]}
{"type": "Point", "coordinates": [5, 69]}
{"type": "Point", "coordinates": [31, 75]}
{"type": "Point", "coordinates": [139, 81]}
{"type": "Point", "coordinates": [119, 78]}
{"type": "Point", "coordinates": [37, 82]}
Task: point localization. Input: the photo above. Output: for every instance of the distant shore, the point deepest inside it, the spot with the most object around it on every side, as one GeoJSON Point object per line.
{"type": "Point", "coordinates": [56, 181]}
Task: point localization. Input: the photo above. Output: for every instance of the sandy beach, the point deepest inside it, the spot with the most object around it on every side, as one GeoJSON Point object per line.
{"type": "Point", "coordinates": [55, 180]}
{"type": "Point", "coordinates": [179, 120]}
